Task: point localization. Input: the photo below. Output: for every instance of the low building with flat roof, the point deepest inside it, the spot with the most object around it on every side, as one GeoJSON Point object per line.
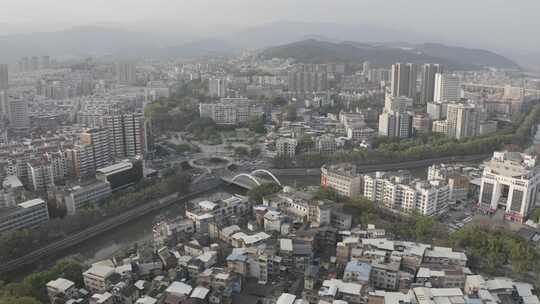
{"type": "Point", "coordinates": [81, 195]}
{"type": "Point", "coordinates": [121, 175]}
{"type": "Point", "coordinates": [28, 214]}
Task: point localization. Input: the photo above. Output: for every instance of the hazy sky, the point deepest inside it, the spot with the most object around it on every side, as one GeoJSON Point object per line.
{"type": "Point", "coordinates": [495, 22]}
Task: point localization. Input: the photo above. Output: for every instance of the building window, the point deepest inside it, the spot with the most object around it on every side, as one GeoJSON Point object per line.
{"type": "Point", "coordinates": [487, 193]}
{"type": "Point", "coordinates": [517, 199]}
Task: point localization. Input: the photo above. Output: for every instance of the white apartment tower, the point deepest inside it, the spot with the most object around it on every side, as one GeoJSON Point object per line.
{"type": "Point", "coordinates": [395, 124]}
{"type": "Point", "coordinates": [447, 87]}
{"type": "Point", "coordinates": [427, 92]}
{"type": "Point", "coordinates": [463, 120]}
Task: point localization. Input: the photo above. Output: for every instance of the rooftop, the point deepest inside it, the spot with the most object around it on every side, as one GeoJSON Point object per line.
{"type": "Point", "coordinates": [100, 271]}
{"type": "Point", "coordinates": [119, 167]}
{"type": "Point", "coordinates": [200, 292]}
{"type": "Point", "coordinates": [32, 203]}
{"type": "Point", "coordinates": [146, 300]}
{"type": "Point", "coordinates": [363, 269]}
{"type": "Point", "coordinates": [286, 298]}
{"type": "Point", "coordinates": [179, 288]}
{"type": "Point", "coordinates": [60, 284]}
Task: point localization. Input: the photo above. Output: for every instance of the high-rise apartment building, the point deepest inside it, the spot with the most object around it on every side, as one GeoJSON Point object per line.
{"type": "Point", "coordinates": [398, 103]}
{"type": "Point", "coordinates": [126, 72]}
{"type": "Point", "coordinates": [19, 118]}
{"type": "Point", "coordinates": [396, 120]}
{"type": "Point", "coordinates": [4, 87]}
{"type": "Point", "coordinates": [395, 124]}
{"type": "Point", "coordinates": [40, 175]}
{"type": "Point", "coordinates": [80, 161]}
{"type": "Point", "coordinates": [308, 79]}
{"type": "Point", "coordinates": [447, 87]}
{"type": "Point", "coordinates": [98, 144]}
{"type": "Point", "coordinates": [229, 111]}
{"type": "Point", "coordinates": [34, 63]}
{"type": "Point", "coordinates": [404, 78]}
{"type": "Point", "coordinates": [58, 164]}
{"type": "Point", "coordinates": [4, 77]}
{"type": "Point", "coordinates": [427, 92]}
{"type": "Point", "coordinates": [463, 120]}
{"type": "Point", "coordinates": [510, 182]}
{"type": "Point", "coordinates": [217, 87]}
{"type": "Point", "coordinates": [366, 67]}
{"type": "Point", "coordinates": [126, 134]}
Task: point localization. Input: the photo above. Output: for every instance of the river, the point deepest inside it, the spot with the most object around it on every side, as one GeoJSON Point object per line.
{"type": "Point", "coordinates": [104, 246]}
{"type": "Point", "coordinates": [140, 230]}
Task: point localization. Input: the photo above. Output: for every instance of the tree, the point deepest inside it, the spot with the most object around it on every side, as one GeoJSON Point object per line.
{"type": "Point", "coordinates": [423, 228]}
{"type": "Point", "coordinates": [536, 215]}
{"type": "Point", "coordinates": [256, 194]}
{"type": "Point", "coordinates": [22, 300]}
{"type": "Point", "coordinates": [241, 151]}
{"type": "Point", "coordinates": [256, 124]}
{"type": "Point", "coordinates": [326, 193]}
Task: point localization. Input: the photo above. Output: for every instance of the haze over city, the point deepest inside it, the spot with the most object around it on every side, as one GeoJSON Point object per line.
{"type": "Point", "coordinates": [500, 25]}
{"type": "Point", "coordinates": [269, 152]}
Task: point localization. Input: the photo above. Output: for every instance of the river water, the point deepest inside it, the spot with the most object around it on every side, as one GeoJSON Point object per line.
{"type": "Point", "coordinates": [140, 230]}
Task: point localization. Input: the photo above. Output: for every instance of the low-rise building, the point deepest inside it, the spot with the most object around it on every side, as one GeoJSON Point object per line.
{"type": "Point", "coordinates": [357, 271]}
{"type": "Point", "coordinates": [121, 175]}
{"type": "Point", "coordinates": [333, 289]}
{"type": "Point", "coordinates": [28, 214]}
{"type": "Point", "coordinates": [96, 278]}
{"type": "Point", "coordinates": [79, 196]}
{"type": "Point", "coordinates": [444, 256]}
{"type": "Point", "coordinates": [61, 290]}
{"type": "Point", "coordinates": [221, 211]}
{"type": "Point", "coordinates": [343, 179]}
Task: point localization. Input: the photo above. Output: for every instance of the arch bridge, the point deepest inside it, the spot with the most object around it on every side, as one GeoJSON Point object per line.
{"type": "Point", "coordinates": [253, 179]}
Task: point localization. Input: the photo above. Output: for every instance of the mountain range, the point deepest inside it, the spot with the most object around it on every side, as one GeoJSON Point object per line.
{"type": "Point", "coordinates": [384, 54]}
{"type": "Point", "coordinates": [331, 40]}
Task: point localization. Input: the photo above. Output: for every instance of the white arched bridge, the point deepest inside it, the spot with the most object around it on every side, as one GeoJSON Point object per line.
{"type": "Point", "coordinates": [252, 179]}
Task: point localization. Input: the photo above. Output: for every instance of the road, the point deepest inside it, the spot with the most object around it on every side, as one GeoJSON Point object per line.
{"type": "Point", "coordinates": [197, 189]}
{"type": "Point", "coordinates": [386, 167]}
{"type": "Point", "coordinates": [107, 225]}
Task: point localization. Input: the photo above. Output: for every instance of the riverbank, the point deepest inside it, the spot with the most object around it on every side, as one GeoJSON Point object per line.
{"type": "Point", "coordinates": [101, 245]}
{"type": "Point", "coordinates": [9, 268]}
